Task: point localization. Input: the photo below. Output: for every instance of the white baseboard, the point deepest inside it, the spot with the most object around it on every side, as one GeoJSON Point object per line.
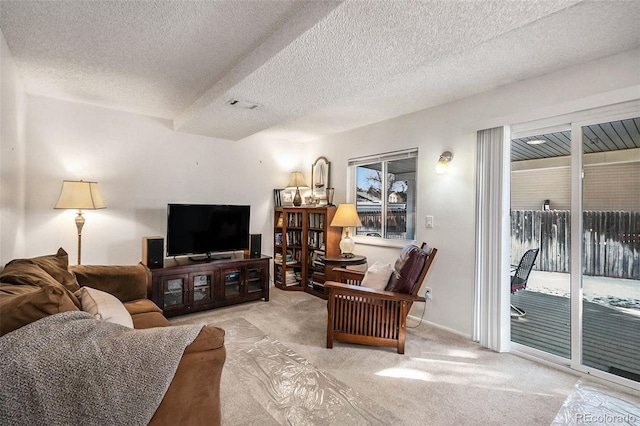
{"type": "Point", "coordinates": [441, 327]}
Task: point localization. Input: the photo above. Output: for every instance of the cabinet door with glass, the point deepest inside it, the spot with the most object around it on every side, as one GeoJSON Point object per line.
{"type": "Point", "coordinates": [257, 276]}
{"type": "Point", "coordinates": [232, 282]}
{"type": "Point", "coordinates": [203, 289]}
{"type": "Point", "coordinates": [174, 292]}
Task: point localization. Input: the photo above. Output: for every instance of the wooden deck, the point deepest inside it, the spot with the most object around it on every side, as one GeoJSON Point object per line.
{"type": "Point", "coordinates": [611, 337]}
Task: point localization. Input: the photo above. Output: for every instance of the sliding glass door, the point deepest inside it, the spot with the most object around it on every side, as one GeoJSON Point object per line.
{"type": "Point", "coordinates": [575, 200]}
{"type": "Point", "coordinates": [540, 241]}
{"type": "Point", "coordinates": [611, 247]}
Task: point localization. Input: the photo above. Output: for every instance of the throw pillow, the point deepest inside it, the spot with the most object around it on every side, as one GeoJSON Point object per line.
{"type": "Point", "coordinates": [377, 276]}
{"type": "Point", "coordinates": [26, 273]}
{"type": "Point", "coordinates": [56, 265]}
{"type": "Point", "coordinates": [104, 306]}
{"type": "Point", "coordinates": [17, 310]}
{"type": "Point", "coordinates": [29, 273]}
{"type": "Point", "coordinates": [407, 270]}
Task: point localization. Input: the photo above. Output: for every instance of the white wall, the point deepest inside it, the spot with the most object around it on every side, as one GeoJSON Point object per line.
{"type": "Point", "coordinates": [451, 198]}
{"type": "Point", "coordinates": [606, 187]}
{"type": "Point", "coordinates": [12, 158]}
{"type": "Point", "coordinates": [141, 164]}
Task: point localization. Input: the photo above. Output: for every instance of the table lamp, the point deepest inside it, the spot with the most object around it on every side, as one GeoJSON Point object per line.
{"type": "Point", "coordinates": [297, 182]}
{"type": "Point", "coordinates": [346, 216]}
{"type": "Point", "coordinates": [80, 195]}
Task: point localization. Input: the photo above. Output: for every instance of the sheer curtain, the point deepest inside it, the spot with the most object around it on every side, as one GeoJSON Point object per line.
{"type": "Point", "coordinates": [491, 305]}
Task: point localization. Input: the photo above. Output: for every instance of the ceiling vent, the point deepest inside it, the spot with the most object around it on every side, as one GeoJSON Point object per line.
{"type": "Point", "coordinates": [242, 104]}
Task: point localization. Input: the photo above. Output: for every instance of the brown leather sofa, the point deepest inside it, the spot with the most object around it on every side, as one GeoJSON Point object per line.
{"type": "Point", "coordinates": [31, 289]}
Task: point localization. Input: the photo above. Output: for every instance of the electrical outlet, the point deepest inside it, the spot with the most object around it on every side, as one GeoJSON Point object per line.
{"type": "Point", "coordinates": [428, 293]}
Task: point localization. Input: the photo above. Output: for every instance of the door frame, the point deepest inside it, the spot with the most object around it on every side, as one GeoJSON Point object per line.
{"type": "Point", "coordinates": [575, 122]}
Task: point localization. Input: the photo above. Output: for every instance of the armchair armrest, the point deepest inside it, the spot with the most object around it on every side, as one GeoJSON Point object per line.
{"type": "Point", "coordinates": [344, 275]}
{"type": "Point", "coordinates": [354, 290]}
{"type": "Point", "coordinates": [127, 283]}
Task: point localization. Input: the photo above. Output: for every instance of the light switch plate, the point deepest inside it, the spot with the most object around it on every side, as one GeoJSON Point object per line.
{"type": "Point", "coordinates": [428, 222]}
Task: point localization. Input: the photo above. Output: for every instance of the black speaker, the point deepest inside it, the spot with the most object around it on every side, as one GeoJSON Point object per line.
{"type": "Point", "coordinates": [153, 252]}
{"type": "Point", "coordinates": [255, 245]}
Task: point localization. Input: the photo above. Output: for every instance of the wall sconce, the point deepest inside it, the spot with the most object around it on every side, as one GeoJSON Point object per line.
{"type": "Point", "coordinates": [443, 163]}
{"type": "Point", "coordinates": [80, 195]}
{"type": "Point", "coordinates": [297, 182]}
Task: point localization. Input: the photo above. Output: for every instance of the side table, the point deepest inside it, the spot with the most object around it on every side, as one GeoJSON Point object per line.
{"type": "Point", "coordinates": [341, 262]}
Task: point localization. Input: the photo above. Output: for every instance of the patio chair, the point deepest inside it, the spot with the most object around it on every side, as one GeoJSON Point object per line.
{"type": "Point", "coordinates": [368, 316]}
{"type": "Point", "coordinates": [521, 275]}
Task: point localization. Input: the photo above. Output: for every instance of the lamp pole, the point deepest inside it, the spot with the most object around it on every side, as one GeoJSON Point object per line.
{"type": "Point", "coordinates": [79, 225]}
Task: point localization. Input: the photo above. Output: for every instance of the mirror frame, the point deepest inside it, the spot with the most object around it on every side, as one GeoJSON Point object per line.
{"type": "Point", "coordinates": [320, 178]}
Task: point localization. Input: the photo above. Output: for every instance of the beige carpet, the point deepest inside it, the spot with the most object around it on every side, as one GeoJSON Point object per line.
{"type": "Point", "coordinates": [286, 386]}
{"type": "Point", "coordinates": [443, 379]}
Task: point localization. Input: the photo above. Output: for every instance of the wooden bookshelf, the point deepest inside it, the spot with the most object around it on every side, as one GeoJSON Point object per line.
{"type": "Point", "coordinates": [302, 238]}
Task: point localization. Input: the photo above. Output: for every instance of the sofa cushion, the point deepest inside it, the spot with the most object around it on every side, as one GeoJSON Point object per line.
{"type": "Point", "coordinates": [56, 265]}
{"type": "Point", "coordinates": [25, 272]}
{"type": "Point", "coordinates": [407, 269]}
{"type": "Point", "coordinates": [104, 306]}
{"type": "Point", "coordinates": [6, 289]}
{"type": "Point", "coordinates": [129, 282]}
{"type": "Point", "coordinates": [141, 306]}
{"type": "Point", "coordinates": [149, 320]}
{"type": "Point", "coordinates": [17, 310]}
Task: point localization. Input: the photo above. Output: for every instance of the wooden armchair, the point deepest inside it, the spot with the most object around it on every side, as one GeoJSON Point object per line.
{"type": "Point", "coordinates": [377, 317]}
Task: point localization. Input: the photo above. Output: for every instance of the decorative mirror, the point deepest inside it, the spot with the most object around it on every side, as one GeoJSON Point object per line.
{"type": "Point", "coordinates": [320, 179]}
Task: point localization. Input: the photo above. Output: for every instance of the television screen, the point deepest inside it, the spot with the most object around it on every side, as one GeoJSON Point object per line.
{"type": "Point", "coordinates": [206, 228]}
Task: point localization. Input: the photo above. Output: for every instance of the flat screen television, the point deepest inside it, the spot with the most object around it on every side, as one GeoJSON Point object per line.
{"type": "Point", "coordinates": [206, 229]}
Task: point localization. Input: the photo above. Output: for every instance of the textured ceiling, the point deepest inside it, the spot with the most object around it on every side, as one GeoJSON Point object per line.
{"type": "Point", "coordinates": [313, 67]}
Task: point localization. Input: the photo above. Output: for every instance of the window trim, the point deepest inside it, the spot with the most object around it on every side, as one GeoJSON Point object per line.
{"type": "Point", "coordinates": [352, 165]}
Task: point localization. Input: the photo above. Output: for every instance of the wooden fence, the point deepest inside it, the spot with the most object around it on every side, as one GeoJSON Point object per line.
{"type": "Point", "coordinates": [372, 222]}
{"type": "Point", "coordinates": [611, 241]}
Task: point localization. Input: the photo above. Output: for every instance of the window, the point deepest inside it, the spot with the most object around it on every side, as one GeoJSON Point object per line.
{"type": "Point", "coordinates": [385, 194]}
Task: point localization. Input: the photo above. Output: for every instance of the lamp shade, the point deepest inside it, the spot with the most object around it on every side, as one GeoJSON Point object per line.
{"type": "Point", "coordinates": [346, 215]}
{"type": "Point", "coordinates": [80, 195]}
{"type": "Point", "coordinates": [297, 181]}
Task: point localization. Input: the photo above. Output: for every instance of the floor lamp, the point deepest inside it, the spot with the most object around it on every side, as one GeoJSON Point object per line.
{"type": "Point", "coordinates": [79, 195]}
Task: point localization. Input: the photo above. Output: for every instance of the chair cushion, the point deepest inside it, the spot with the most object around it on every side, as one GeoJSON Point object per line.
{"type": "Point", "coordinates": [407, 269]}
{"type": "Point", "coordinates": [377, 276]}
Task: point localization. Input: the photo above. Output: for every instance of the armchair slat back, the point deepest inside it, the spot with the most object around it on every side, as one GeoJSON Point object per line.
{"type": "Point", "coordinates": [372, 317]}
